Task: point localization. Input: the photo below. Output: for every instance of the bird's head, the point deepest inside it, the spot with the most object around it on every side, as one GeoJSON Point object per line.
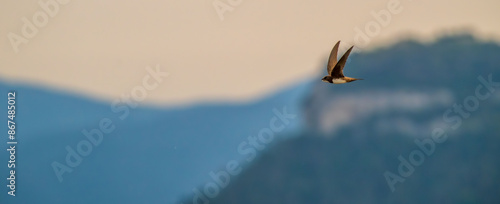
{"type": "Point", "coordinates": [325, 79]}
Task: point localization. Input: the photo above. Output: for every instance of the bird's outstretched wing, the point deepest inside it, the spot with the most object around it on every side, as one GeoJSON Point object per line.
{"type": "Point", "coordinates": [333, 58]}
{"type": "Point", "coordinates": [337, 71]}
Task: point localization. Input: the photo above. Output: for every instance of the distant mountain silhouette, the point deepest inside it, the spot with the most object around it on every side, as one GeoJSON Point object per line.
{"type": "Point", "coordinates": [357, 133]}
{"type": "Point", "coordinates": [337, 150]}
{"type": "Point", "coordinates": [153, 155]}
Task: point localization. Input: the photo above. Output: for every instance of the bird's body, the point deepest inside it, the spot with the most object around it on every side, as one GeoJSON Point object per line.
{"type": "Point", "coordinates": [341, 80]}
{"type": "Point", "coordinates": [335, 69]}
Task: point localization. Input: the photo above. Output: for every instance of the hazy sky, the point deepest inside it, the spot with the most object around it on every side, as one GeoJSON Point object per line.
{"type": "Point", "coordinates": [102, 48]}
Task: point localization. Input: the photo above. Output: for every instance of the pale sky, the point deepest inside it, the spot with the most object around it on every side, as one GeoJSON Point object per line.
{"type": "Point", "coordinates": [101, 49]}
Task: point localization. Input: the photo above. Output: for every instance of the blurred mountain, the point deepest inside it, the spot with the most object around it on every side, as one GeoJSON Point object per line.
{"type": "Point", "coordinates": [421, 128]}
{"type": "Point", "coordinates": [337, 149]}
{"type": "Point", "coordinates": [151, 155]}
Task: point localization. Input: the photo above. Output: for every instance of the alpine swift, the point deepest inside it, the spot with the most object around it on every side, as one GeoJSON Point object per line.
{"type": "Point", "coordinates": [335, 69]}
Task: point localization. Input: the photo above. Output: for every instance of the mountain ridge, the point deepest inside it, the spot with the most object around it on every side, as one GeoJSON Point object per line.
{"type": "Point", "coordinates": [348, 165]}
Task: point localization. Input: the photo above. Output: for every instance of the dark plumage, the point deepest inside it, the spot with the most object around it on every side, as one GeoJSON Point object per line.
{"type": "Point", "coordinates": [335, 69]}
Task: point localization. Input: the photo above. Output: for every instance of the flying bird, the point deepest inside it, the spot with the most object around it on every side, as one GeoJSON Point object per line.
{"type": "Point", "coordinates": [335, 69]}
